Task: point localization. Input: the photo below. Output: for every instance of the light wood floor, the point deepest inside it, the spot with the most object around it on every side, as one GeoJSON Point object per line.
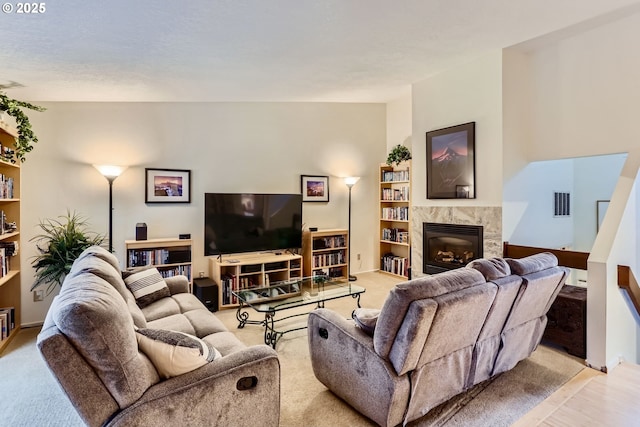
{"type": "Point", "coordinates": [592, 398]}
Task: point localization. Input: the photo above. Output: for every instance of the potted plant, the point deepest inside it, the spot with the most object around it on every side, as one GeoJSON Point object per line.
{"type": "Point", "coordinates": [26, 138]}
{"type": "Point", "coordinates": [398, 154]}
{"type": "Point", "coordinates": [61, 242]}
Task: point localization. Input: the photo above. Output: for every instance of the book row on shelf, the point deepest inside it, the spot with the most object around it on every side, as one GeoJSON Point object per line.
{"type": "Point", "coordinates": [329, 242]}
{"type": "Point", "coordinates": [394, 264]}
{"type": "Point", "coordinates": [178, 270]}
{"type": "Point", "coordinates": [400, 213]}
{"type": "Point", "coordinates": [326, 260]}
{"type": "Point", "coordinates": [396, 194]}
{"type": "Point", "coordinates": [7, 322]}
{"type": "Point", "coordinates": [395, 235]}
{"type": "Point", "coordinates": [394, 176]}
{"type": "Point", "coordinates": [6, 187]}
{"type": "Point", "coordinates": [143, 257]}
{"type": "Point", "coordinates": [7, 250]}
{"type": "Point", "coordinates": [6, 226]}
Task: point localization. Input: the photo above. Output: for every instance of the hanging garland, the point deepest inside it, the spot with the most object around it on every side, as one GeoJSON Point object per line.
{"type": "Point", "coordinates": [26, 138]}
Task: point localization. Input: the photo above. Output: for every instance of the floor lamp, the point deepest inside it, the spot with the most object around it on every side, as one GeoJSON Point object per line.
{"type": "Point", "coordinates": [111, 173]}
{"type": "Point", "coordinates": [350, 181]}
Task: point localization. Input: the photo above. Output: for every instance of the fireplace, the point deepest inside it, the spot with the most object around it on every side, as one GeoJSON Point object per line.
{"type": "Point", "coordinates": [449, 246]}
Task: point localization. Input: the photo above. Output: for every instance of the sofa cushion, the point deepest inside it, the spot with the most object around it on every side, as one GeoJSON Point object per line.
{"type": "Point", "coordinates": [175, 353]}
{"type": "Point", "coordinates": [164, 307]}
{"type": "Point", "coordinates": [95, 319]}
{"type": "Point", "coordinates": [96, 261]}
{"type": "Point", "coordinates": [147, 286]}
{"type": "Point", "coordinates": [491, 269]}
{"type": "Point", "coordinates": [366, 319]}
{"type": "Point", "coordinates": [532, 263]}
{"type": "Point", "coordinates": [102, 253]}
{"type": "Point", "coordinates": [402, 295]}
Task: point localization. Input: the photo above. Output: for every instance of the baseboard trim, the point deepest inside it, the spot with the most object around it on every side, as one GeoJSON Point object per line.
{"type": "Point", "coordinates": [31, 325]}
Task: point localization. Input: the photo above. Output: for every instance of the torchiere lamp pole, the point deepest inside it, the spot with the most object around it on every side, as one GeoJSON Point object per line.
{"type": "Point", "coordinates": [111, 173]}
{"type": "Point", "coordinates": [350, 181]}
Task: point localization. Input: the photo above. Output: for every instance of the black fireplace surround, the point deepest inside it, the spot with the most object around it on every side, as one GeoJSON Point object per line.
{"type": "Point", "coordinates": [449, 246]}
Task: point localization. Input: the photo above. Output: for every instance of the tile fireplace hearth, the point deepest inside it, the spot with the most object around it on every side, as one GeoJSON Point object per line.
{"type": "Point", "coordinates": [450, 246]}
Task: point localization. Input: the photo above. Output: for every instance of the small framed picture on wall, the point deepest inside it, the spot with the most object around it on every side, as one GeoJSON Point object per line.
{"type": "Point", "coordinates": [314, 188]}
{"type": "Point", "coordinates": [167, 186]}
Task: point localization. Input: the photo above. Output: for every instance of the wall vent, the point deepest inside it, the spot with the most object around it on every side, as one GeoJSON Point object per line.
{"type": "Point", "coordinates": [561, 204]}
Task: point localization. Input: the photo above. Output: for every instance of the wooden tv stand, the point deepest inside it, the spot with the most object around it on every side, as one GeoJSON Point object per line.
{"type": "Point", "coordinates": [251, 270]}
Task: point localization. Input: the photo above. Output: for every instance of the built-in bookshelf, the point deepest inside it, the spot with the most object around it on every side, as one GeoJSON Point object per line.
{"type": "Point", "coordinates": [326, 253]}
{"type": "Point", "coordinates": [395, 219]}
{"type": "Point", "coordinates": [172, 257]}
{"type": "Point", "coordinates": [10, 291]}
{"type": "Point", "coordinates": [252, 271]}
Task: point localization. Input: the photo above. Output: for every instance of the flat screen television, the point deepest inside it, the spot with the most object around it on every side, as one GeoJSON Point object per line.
{"type": "Point", "coordinates": [245, 222]}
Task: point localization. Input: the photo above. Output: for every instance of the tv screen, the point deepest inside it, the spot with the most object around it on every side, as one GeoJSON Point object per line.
{"type": "Point", "coordinates": [235, 222]}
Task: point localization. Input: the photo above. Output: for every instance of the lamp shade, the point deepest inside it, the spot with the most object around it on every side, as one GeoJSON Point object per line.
{"type": "Point", "coordinates": [110, 171]}
{"type": "Point", "coordinates": [351, 180]}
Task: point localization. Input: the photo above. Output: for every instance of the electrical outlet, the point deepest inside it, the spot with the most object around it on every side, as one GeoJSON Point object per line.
{"type": "Point", "coordinates": [38, 295]}
{"type": "Point", "coordinates": [358, 257]}
{"type": "Point", "coordinates": [201, 274]}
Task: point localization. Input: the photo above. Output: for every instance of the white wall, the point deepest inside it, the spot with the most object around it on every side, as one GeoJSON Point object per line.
{"type": "Point", "coordinates": [612, 323]}
{"type": "Point", "coordinates": [468, 93]}
{"type": "Point", "coordinates": [583, 94]}
{"type": "Point", "coordinates": [594, 179]}
{"type": "Point", "coordinates": [229, 147]}
{"type": "Point", "coordinates": [399, 123]}
{"type": "Point", "coordinates": [528, 205]}
{"type": "Point", "coordinates": [528, 201]}
{"type": "Point", "coordinates": [586, 93]}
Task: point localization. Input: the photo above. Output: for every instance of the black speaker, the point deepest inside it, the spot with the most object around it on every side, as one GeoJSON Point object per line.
{"type": "Point", "coordinates": [141, 231]}
{"type": "Point", "coordinates": [206, 291]}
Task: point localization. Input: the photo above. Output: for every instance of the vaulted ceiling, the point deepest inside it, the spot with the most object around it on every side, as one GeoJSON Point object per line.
{"type": "Point", "coordinates": [261, 50]}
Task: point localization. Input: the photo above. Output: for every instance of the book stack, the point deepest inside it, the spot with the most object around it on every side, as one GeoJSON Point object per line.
{"type": "Point", "coordinates": [394, 264]}
{"type": "Point", "coordinates": [395, 214]}
{"type": "Point", "coordinates": [7, 250]}
{"type": "Point", "coordinates": [6, 187]}
{"type": "Point", "coordinates": [395, 176]}
{"type": "Point", "coordinates": [7, 322]}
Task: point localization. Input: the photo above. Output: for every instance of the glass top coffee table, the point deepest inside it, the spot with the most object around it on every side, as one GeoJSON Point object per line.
{"type": "Point", "coordinates": [287, 295]}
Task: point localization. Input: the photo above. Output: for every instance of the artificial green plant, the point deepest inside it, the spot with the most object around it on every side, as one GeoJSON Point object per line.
{"type": "Point", "coordinates": [398, 154]}
{"type": "Point", "coordinates": [60, 243]}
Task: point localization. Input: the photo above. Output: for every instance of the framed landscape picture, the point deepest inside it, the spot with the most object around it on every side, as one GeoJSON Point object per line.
{"type": "Point", "coordinates": [314, 188]}
{"type": "Point", "coordinates": [167, 186]}
{"type": "Point", "coordinates": [451, 171]}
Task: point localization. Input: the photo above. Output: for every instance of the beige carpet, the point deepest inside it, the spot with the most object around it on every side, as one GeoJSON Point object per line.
{"type": "Point", "coordinates": [30, 397]}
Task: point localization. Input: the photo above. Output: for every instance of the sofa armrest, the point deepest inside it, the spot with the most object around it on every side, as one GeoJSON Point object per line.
{"type": "Point", "coordinates": [242, 388]}
{"type": "Point", "coordinates": [344, 360]}
{"type": "Point", "coordinates": [177, 284]}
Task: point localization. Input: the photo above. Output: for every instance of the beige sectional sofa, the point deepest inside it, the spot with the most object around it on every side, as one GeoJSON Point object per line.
{"type": "Point", "coordinates": [435, 336]}
{"type": "Point", "coordinates": [90, 342]}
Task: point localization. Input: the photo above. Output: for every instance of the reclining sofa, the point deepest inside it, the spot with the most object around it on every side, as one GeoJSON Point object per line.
{"type": "Point", "coordinates": [91, 341]}
{"type": "Point", "coordinates": [435, 336]}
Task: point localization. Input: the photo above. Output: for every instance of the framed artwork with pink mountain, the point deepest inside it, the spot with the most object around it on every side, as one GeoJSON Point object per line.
{"type": "Point", "coordinates": [451, 168]}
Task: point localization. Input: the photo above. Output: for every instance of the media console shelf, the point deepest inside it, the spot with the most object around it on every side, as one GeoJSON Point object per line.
{"type": "Point", "coordinates": [251, 271]}
{"type": "Point", "coordinates": [326, 252]}
{"type": "Point", "coordinates": [170, 256]}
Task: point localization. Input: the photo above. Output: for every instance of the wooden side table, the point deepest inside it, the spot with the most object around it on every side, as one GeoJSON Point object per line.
{"type": "Point", "coordinates": [567, 321]}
